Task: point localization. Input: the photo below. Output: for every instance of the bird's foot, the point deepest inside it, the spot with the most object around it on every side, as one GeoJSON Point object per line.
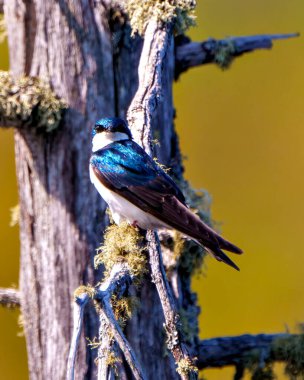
{"type": "Point", "coordinates": [134, 224]}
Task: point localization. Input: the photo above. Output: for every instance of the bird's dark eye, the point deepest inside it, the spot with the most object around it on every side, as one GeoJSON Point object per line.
{"type": "Point", "coordinates": [99, 128]}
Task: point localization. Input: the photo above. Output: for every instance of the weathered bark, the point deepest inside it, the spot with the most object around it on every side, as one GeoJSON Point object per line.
{"type": "Point", "coordinates": [224, 351]}
{"type": "Point", "coordinates": [69, 44]}
{"type": "Point", "coordinates": [90, 61]}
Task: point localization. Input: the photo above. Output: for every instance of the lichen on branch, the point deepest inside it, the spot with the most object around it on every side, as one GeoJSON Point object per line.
{"type": "Point", "coordinates": [224, 53]}
{"type": "Point", "coordinates": [179, 12]}
{"type": "Point", "coordinates": [288, 349]}
{"type": "Point", "coordinates": [122, 243]}
{"type": "Point", "coordinates": [185, 366]}
{"type": "Point", "coordinates": [29, 101]}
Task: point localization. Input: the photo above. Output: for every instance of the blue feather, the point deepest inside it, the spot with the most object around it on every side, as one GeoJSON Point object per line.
{"type": "Point", "coordinates": [125, 164]}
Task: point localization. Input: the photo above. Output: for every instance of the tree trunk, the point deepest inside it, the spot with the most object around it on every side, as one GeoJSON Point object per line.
{"type": "Point", "coordinates": [84, 50]}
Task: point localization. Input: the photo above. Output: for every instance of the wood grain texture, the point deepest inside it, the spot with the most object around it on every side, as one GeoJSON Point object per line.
{"type": "Point", "coordinates": [69, 44]}
{"type": "Point", "coordinates": [91, 62]}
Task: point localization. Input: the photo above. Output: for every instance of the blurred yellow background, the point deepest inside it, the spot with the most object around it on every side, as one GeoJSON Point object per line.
{"type": "Point", "coordinates": [243, 133]}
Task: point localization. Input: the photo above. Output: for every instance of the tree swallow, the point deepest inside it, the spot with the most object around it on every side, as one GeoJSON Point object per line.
{"type": "Point", "coordinates": [138, 191]}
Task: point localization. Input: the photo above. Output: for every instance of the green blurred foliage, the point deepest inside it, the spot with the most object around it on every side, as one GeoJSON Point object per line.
{"type": "Point", "coordinates": [242, 131]}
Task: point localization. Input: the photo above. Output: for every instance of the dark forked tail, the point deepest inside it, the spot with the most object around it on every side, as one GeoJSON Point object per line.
{"type": "Point", "coordinates": [219, 255]}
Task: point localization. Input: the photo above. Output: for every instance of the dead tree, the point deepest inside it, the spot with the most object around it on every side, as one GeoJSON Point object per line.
{"type": "Point", "coordinates": [71, 63]}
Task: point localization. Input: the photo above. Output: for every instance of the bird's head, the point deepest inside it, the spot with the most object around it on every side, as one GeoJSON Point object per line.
{"type": "Point", "coordinates": [108, 130]}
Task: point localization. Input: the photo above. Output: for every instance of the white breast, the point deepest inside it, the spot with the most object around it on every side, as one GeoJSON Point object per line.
{"type": "Point", "coordinates": [123, 210]}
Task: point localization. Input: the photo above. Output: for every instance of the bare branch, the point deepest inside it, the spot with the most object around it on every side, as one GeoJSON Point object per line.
{"type": "Point", "coordinates": [79, 305]}
{"type": "Point", "coordinates": [158, 274]}
{"type": "Point", "coordinates": [222, 52]}
{"type": "Point", "coordinates": [118, 280]}
{"type": "Point", "coordinates": [106, 344]}
{"type": "Point", "coordinates": [220, 352]}
{"type": "Point", "coordinates": [9, 297]}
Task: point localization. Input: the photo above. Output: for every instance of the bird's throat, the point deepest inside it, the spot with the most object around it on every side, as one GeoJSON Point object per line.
{"type": "Point", "coordinates": [100, 140]}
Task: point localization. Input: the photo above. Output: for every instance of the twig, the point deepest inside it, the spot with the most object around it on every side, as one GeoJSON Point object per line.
{"type": "Point", "coordinates": [158, 274]}
{"type": "Point", "coordinates": [118, 280]}
{"type": "Point", "coordinates": [105, 346]}
{"type": "Point", "coordinates": [9, 297]}
{"type": "Point", "coordinates": [79, 305]}
{"type": "Point", "coordinates": [192, 54]}
{"type": "Point", "coordinates": [220, 352]}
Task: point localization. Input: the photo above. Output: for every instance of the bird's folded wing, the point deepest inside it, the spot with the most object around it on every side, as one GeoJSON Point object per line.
{"type": "Point", "coordinates": [132, 174]}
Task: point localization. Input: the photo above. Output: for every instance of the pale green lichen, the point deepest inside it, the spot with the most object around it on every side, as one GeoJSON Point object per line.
{"type": "Point", "coordinates": [162, 166]}
{"type": "Point", "coordinates": [21, 324]}
{"type": "Point", "coordinates": [93, 343]}
{"type": "Point", "coordinates": [185, 366]}
{"type": "Point", "coordinates": [123, 308]}
{"type": "Point", "coordinates": [112, 360]}
{"type": "Point", "coordinates": [15, 215]}
{"type": "Point", "coordinates": [122, 243]}
{"type": "Point", "coordinates": [291, 351]}
{"type": "Point", "coordinates": [287, 349]}
{"type": "Point", "coordinates": [188, 321]}
{"type": "Point", "coordinates": [179, 12]}
{"type": "Point", "coordinates": [224, 53]}
{"type": "Point", "coordinates": [198, 200]}
{"type": "Point", "coordinates": [29, 101]}
{"type": "Point", "coordinates": [84, 289]}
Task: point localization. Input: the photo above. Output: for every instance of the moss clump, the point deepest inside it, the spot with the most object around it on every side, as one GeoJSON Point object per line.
{"type": "Point", "coordinates": [122, 243]}
{"type": "Point", "coordinates": [288, 349]}
{"type": "Point", "coordinates": [123, 308]}
{"type": "Point", "coordinates": [188, 321]}
{"type": "Point", "coordinates": [180, 12]}
{"type": "Point", "coordinates": [112, 360]}
{"type": "Point", "coordinates": [291, 350]}
{"type": "Point", "coordinates": [185, 366]}
{"type": "Point", "coordinates": [224, 53]}
{"type": "Point", "coordinates": [198, 200]}
{"type": "Point", "coordinates": [84, 289]}
{"type": "Point", "coordinates": [21, 324]}
{"type": "Point", "coordinates": [192, 257]}
{"type": "Point", "coordinates": [15, 215]}
{"type": "Point", "coordinates": [29, 101]}
{"type": "Point", "coordinates": [258, 367]}
{"type": "Point", "coordinates": [265, 373]}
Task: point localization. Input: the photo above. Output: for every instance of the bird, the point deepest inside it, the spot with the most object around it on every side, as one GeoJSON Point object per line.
{"type": "Point", "coordinates": [138, 191]}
